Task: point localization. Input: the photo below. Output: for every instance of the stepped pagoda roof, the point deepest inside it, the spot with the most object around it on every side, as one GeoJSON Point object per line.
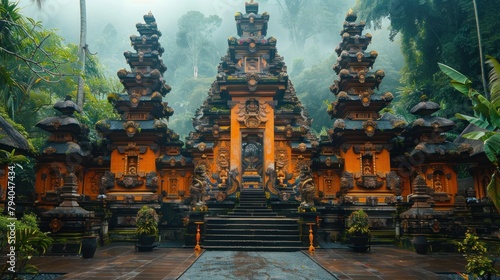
{"type": "Point", "coordinates": [426, 132]}
{"type": "Point", "coordinates": [149, 28]}
{"type": "Point", "coordinates": [66, 131]}
{"type": "Point", "coordinates": [251, 69]}
{"type": "Point", "coordinates": [426, 123]}
{"type": "Point", "coordinates": [251, 23]}
{"type": "Point", "coordinates": [357, 104]}
{"type": "Point", "coordinates": [142, 108]}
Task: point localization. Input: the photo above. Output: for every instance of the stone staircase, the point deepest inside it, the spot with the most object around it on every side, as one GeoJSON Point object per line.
{"type": "Point", "coordinates": [252, 226]}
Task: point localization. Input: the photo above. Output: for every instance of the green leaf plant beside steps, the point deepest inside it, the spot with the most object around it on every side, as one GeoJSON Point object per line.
{"type": "Point", "coordinates": [486, 116]}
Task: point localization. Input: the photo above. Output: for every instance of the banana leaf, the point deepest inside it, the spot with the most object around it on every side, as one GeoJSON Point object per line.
{"type": "Point", "coordinates": [494, 189]}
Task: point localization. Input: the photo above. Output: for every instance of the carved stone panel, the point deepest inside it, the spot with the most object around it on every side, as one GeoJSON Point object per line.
{"type": "Point", "coordinates": [328, 185]}
{"type": "Point", "coordinates": [252, 113]}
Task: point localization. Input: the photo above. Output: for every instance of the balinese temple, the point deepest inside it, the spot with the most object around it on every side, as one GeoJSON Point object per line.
{"type": "Point", "coordinates": [251, 163]}
{"type": "Point", "coordinates": [65, 151]}
{"type": "Point", "coordinates": [434, 158]}
{"type": "Point", "coordinates": [361, 135]}
{"type": "Point", "coordinates": [141, 137]}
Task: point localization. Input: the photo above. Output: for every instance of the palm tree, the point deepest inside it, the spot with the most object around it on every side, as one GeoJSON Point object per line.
{"type": "Point", "coordinates": [480, 45]}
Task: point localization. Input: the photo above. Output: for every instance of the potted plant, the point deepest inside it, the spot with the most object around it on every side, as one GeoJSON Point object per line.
{"type": "Point", "coordinates": [147, 227]}
{"type": "Point", "coordinates": [358, 230]}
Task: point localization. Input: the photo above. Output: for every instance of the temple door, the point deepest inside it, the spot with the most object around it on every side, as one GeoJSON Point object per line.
{"type": "Point", "coordinates": [252, 155]}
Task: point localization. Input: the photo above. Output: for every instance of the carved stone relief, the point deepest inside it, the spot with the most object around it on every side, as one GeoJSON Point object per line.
{"type": "Point", "coordinates": [252, 112]}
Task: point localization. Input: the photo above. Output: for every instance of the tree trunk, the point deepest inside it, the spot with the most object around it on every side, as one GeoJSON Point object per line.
{"type": "Point", "coordinates": [481, 59]}
{"type": "Point", "coordinates": [80, 96]}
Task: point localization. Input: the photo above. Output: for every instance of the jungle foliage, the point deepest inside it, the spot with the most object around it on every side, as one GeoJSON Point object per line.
{"type": "Point", "coordinates": [431, 31]}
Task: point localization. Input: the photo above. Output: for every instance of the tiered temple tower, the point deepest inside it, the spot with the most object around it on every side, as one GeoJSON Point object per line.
{"type": "Point", "coordinates": [360, 132]}
{"type": "Point", "coordinates": [252, 131]}
{"type": "Point", "coordinates": [141, 137]}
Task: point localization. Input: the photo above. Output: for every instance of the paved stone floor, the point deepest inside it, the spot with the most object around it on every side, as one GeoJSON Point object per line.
{"type": "Point", "coordinates": [124, 262]}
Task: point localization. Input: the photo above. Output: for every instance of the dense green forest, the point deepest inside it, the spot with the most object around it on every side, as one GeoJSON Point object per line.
{"type": "Point", "coordinates": [38, 64]}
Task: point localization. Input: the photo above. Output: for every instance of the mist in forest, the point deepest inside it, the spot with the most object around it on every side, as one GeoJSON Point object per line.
{"type": "Point", "coordinates": [110, 24]}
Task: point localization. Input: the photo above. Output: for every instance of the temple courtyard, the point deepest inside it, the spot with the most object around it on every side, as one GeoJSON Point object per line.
{"type": "Point", "coordinates": [122, 261]}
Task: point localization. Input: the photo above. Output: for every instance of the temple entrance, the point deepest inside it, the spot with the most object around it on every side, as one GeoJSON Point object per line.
{"type": "Point", "coordinates": [252, 158]}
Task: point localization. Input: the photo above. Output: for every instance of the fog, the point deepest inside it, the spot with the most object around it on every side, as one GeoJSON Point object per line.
{"type": "Point", "coordinates": [122, 15]}
{"type": "Point", "coordinates": [64, 16]}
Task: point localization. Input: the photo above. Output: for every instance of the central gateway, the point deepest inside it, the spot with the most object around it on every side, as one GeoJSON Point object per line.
{"type": "Point", "coordinates": [252, 136]}
{"type": "Point", "coordinates": [252, 132]}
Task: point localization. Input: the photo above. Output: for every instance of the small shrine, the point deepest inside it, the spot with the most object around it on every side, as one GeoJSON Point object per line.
{"type": "Point", "coordinates": [59, 179]}
{"type": "Point", "coordinates": [432, 156]}
{"type": "Point", "coordinates": [66, 151]}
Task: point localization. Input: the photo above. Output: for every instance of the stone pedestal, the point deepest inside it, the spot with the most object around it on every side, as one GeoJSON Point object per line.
{"type": "Point", "coordinates": [68, 222]}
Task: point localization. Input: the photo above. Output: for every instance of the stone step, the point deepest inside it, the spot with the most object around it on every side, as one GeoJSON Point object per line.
{"type": "Point", "coordinates": [250, 221]}
{"type": "Point", "coordinates": [254, 215]}
{"type": "Point", "coordinates": [253, 243]}
{"type": "Point", "coordinates": [263, 210]}
{"type": "Point", "coordinates": [246, 231]}
{"type": "Point", "coordinates": [253, 226]}
{"type": "Point", "coordinates": [256, 248]}
{"type": "Point", "coordinates": [253, 237]}
{"type": "Point", "coordinates": [253, 200]}
{"type": "Point", "coordinates": [252, 205]}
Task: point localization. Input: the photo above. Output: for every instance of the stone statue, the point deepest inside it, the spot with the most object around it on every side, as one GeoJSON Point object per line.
{"type": "Point", "coordinates": [307, 188]}
{"type": "Point", "coordinates": [198, 186]}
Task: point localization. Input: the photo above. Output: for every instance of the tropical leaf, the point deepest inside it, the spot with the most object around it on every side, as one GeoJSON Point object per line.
{"type": "Point", "coordinates": [463, 88]}
{"type": "Point", "coordinates": [493, 189]}
{"type": "Point", "coordinates": [494, 81]}
{"type": "Point", "coordinates": [477, 121]}
{"type": "Point", "coordinates": [495, 118]}
{"type": "Point", "coordinates": [454, 74]}
{"type": "Point", "coordinates": [12, 158]}
{"type": "Point", "coordinates": [475, 135]}
{"type": "Point", "coordinates": [492, 148]}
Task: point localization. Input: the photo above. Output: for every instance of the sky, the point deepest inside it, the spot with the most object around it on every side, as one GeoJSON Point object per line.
{"type": "Point", "coordinates": [65, 14]}
{"type": "Point", "coordinates": [64, 17]}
